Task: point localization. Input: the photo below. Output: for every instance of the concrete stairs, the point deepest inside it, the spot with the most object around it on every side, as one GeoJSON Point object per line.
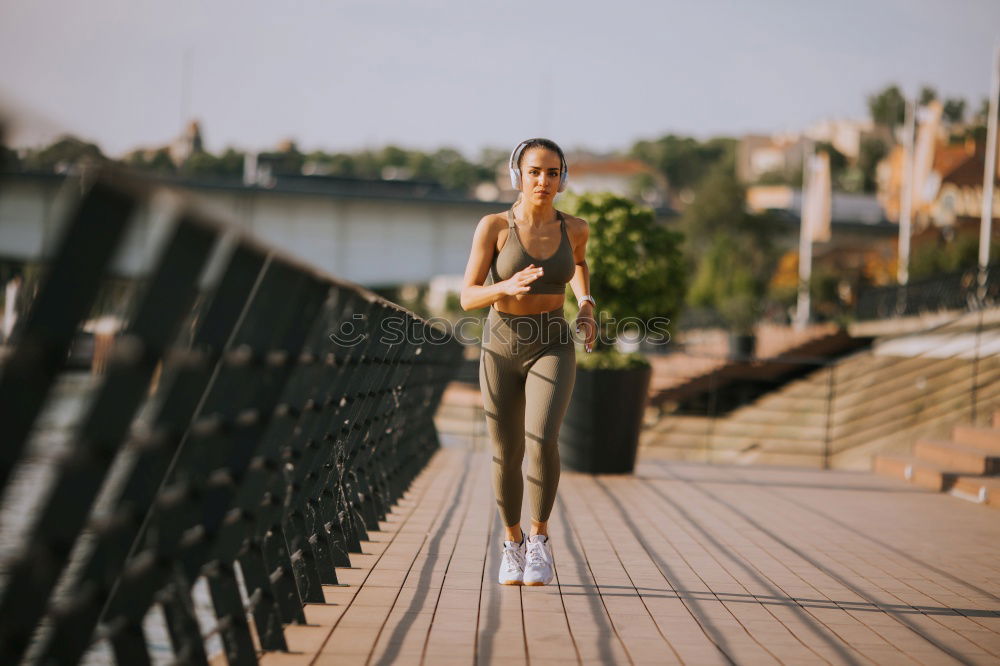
{"type": "Point", "coordinates": [870, 404]}
{"type": "Point", "coordinates": [874, 401]}
{"type": "Point", "coordinates": [702, 364]}
{"type": "Point", "coordinates": [967, 465]}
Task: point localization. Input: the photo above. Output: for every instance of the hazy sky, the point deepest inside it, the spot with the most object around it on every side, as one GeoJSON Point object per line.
{"type": "Point", "coordinates": [339, 75]}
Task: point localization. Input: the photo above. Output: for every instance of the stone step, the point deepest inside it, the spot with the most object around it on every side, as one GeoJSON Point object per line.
{"type": "Point", "coordinates": [919, 472]}
{"type": "Point", "coordinates": [956, 457]}
{"type": "Point", "coordinates": [987, 439]}
{"type": "Point", "coordinates": [983, 489]}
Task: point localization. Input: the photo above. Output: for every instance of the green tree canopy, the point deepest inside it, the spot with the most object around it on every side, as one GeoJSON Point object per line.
{"type": "Point", "coordinates": [684, 161]}
{"type": "Point", "coordinates": [954, 110]}
{"type": "Point", "coordinates": [871, 152]}
{"type": "Point", "coordinates": [636, 266]}
{"type": "Point", "coordinates": [927, 95]}
{"type": "Point", "coordinates": [887, 107]}
{"type": "Point", "coordinates": [65, 150]}
{"type": "Point", "coordinates": [959, 254]}
{"type": "Point", "coordinates": [731, 253]}
{"type": "Point", "coordinates": [719, 204]}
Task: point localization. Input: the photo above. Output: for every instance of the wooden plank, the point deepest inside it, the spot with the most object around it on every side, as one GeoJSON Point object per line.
{"type": "Point", "coordinates": [774, 565]}
{"type": "Point", "coordinates": [309, 641]}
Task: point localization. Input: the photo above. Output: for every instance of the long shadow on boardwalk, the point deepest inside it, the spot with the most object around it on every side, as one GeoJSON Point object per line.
{"type": "Point", "coordinates": [804, 556]}
{"type": "Point", "coordinates": [785, 600]}
{"type": "Point", "coordinates": [770, 487]}
{"type": "Point", "coordinates": [596, 605]}
{"type": "Point", "coordinates": [484, 639]}
{"type": "Point", "coordinates": [691, 603]}
{"type": "Point", "coordinates": [818, 629]}
{"type": "Point", "coordinates": [424, 582]}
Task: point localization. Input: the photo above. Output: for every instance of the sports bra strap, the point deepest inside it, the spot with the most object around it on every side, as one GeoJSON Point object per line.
{"type": "Point", "coordinates": [510, 218]}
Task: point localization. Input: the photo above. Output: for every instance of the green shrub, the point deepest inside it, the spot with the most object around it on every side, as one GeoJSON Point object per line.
{"type": "Point", "coordinates": [636, 265]}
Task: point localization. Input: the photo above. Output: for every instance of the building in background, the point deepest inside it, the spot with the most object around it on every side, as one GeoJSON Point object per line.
{"type": "Point", "coordinates": [759, 156]}
{"type": "Point", "coordinates": [778, 157]}
{"type": "Point", "coordinates": [951, 194]}
{"type": "Point", "coordinates": [628, 178]}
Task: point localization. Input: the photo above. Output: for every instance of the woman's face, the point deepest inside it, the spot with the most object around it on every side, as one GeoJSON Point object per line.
{"type": "Point", "coordinates": [540, 172]}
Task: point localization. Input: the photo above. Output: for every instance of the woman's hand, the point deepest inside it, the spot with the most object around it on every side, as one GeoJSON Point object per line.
{"type": "Point", "coordinates": [585, 321]}
{"type": "Point", "coordinates": [520, 282]}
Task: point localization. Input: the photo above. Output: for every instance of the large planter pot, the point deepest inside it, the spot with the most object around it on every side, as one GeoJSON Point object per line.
{"type": "Point", "coordinates": [742, 346]}
{"type": "Point", "coordinates": [600, 433]}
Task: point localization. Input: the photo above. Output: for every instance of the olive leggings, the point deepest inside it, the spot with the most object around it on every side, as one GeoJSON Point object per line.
{"type": "Point", "coordinates": [526, 372]}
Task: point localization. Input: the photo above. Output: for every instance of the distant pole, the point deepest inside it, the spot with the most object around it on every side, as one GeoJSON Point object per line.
{"type": "Point", "coordinates": [989, 175]}
{"type": "Point", "coordinates": [545, 103]}
{"type": "Point", "coordinates": [906, 203]}
{"type": "Point", "coordinates": [805, 246]}
{"type": "Point", "coordinates": [186, 86]}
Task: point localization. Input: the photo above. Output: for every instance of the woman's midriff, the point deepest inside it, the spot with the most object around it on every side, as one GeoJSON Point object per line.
{"type": "Point", "coordinates": [529, 303]}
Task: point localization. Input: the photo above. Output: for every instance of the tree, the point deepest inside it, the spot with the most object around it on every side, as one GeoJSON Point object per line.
{"type": "Point", "coordinates": [945, 257]}
{"type": "Point", "coordinates": [492, 159]}
{"type": "Point", "coordinates": [730, 251]}
{"type": "Point", "coordinates": [728, 283]}
{"type": "Point", "coordinates": [684, 161]}
{"type": "Point", "coordinates": [719, 204]}
{"type": "Point", "coordinates": [451, 169]}
{"type": "Point", "coordinates": [636, 265]}
{"type": "Point", "coordinates": [954, 110]}
{"type": "Point", "coordinates": [157, 162]}
{"type": "Point", "coordinates": [286, 161]}
{"type": "Point", "coordinates": [927, 95]}
{"type": "Point", "coordinates": [65, 151]}
{"type": "Point", "coordinates": [887, 107]}
{"type": "Point", "coordinates": [872, 151]}
{"type": "Point", "coordinates": [341, 164]}
{"type": "Point", "coordinates": [200, 164]}
{"type": "Point", "coordinates": [231, 162]}
{"type": "Point", "coordinates": [8, 158]}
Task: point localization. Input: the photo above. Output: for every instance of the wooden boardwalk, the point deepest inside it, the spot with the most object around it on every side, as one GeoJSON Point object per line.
{"type": "Point", "coordinates": [680, 563]}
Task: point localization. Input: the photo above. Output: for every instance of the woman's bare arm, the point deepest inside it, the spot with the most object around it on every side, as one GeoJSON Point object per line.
{"type": "Point", "coordinates": [580, 283]}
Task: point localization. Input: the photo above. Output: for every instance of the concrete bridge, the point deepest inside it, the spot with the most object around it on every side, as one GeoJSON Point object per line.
{"type": "Point", "coordinates": [374, 233]}
{"type": "Point", "coordinates": [370, 232]}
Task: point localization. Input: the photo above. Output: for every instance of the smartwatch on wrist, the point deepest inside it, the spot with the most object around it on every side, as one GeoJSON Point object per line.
{"type": "Point", "coordinates": [584, 299]}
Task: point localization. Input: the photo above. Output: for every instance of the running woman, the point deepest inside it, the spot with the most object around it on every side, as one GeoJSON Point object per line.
{"type": "Point", "coordinates": [519, 266]}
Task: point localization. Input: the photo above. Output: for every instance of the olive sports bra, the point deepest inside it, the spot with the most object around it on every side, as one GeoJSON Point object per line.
{"type": "Point", "coordinates": [558, 269]}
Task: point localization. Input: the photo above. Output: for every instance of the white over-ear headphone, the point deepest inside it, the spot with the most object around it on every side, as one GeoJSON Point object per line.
{"type": "Point", "coordinates": [515, 170]}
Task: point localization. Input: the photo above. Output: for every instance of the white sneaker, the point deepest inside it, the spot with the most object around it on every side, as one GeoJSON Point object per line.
{"type": "Point", "coordinates": [538, 569]}
{"type": "Point", "coordinates": [512, 563]}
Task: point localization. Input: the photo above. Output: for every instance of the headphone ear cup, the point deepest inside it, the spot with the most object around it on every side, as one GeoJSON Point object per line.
{"type": "Point", "coordinates": [515, 170]}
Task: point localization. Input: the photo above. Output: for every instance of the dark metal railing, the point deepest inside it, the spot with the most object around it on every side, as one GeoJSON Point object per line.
{"type": "Point", "coordinates": [960, 290]}
{"type": "Point", "coordinates": [254, 450]}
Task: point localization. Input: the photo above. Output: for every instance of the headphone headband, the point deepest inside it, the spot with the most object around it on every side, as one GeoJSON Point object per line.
{"type": "Point", "coordinates": [515, 170]}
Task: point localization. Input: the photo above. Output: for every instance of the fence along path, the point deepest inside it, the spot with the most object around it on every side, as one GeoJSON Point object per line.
{"type": "Point", "coordinates": [257, 460]}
